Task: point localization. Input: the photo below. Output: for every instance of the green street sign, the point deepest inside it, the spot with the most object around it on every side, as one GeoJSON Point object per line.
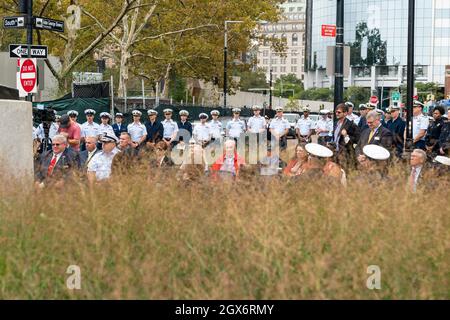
{"type": "Point", "coordinates": [396, 96]}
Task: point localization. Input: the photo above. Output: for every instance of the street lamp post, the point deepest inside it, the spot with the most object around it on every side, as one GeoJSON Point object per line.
{"type": "Point", "coordinates": [410, 73]}
{"type": "Point", "coordinates": [339, 56]}
{"type": "Point", "coordinates": [225, 64]}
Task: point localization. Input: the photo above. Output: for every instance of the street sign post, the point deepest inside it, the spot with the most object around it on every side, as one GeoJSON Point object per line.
{"type": "Point", "coordinates": [21, 51]}
{"type": "Point", "coordinates": [27, 77]}
{"type": "Point", "coordinates": [328, 30]}
{"type": "Point", "coordinates": [14, 22]}
{"type": "Point", "coordinates": [48, 24]}
{"type": "Point", "coordinates": [396, 96]}
{"type": "Point", "coordinates": [374, 100]}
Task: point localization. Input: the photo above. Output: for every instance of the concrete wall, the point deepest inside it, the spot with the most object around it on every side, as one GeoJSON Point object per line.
{"type": "Point", "coordinates": [249, 99]}
{"type": "Point", "coordinates": [8, 72]}
{"type": "Point", "coordinates": [16, 145]}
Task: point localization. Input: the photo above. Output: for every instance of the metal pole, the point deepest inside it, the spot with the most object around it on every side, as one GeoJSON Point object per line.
{"type": "Point", "coordinates": [112, 98]}
{"type": "Point", "coordinates": [410, 72]}
{"type": "Point", "coordinates": [339, 56]}
{"type": "Point", "coordinates": [225, 56]}
{"type": "Point", "coordinates": [270, 88]}
{"type": "Point", "coordinates": [29, 36]}
{"type": "Point", "coordinates": [143, 94]}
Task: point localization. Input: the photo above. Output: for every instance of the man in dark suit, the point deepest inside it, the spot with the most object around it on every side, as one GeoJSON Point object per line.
{"type": "Point", "coordinates": [56, 165]}
{"type": "Point", "coordinates": [155, 129]}
{"type": "Point", "coordinates": [397, 126]}
{"type": "Point", "coordinates": [118, 126]}
{"type": "Point", "coordinates": [376, 134]}
{"type": "Point", "coordinates": [184, 124]}
{"type": "Point", "coordinates": [345, 135]}
{"type": "Point", "coordinates": [87, 155]}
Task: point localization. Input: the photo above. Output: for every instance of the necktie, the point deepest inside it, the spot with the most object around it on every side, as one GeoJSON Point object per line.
{"type": "Point", "coordinates": [372, 132]}
{"type": "Point", "coordinates": [51, 166]}
{"type": "Point", "coordinates": [412, 181]}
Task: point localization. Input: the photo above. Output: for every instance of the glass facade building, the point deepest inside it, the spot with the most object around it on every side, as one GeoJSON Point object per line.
{"type": "Point", "coordinates": [377, 33]}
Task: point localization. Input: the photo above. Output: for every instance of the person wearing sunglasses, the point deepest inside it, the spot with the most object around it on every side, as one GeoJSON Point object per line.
{"type": "Point", "coordinates": [56, 165]}
{"type": "Point", "coordinates": [346, 133]}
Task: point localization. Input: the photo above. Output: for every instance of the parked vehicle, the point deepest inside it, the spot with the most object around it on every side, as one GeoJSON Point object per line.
{"type": "Point", "coordinates": [292, 118]}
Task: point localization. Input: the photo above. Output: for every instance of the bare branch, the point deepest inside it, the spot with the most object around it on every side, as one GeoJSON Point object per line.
{"type": "Point", "coordinates": [144, 22]}
{"type": "Point", "coordinates": [162, 35]}
{"type": "Point", "coordinates": [44, 7]}
{"type": "Point", "coordinates": [99, 38]}
{"type": "Point", "coordinates": [99, 24]}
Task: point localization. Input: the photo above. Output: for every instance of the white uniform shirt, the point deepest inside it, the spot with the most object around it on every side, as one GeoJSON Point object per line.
{"type": "Point", "coordinates": [202, 132]}
{"type": "Point", "coordinates": [136, 131]}
{"type": "Point", "coordinates": [279, 125]}
{"type": "Point", "coordinates": [235, 127]}
{"type": "Point", "coordinates": [90, 129]}
{"type": "Point", "coordinates": [101, 164]}
{"type": "Point", "coordinates": [215, 127]}
{"type": "Point", "coordinates": [40, 134]}
{"type": "Point", "coordinates": [305, 125]}
{"type": "Point", "coordinates": [106, 129]}
{"type": "Point", "coordinates": [256, 124]}
{"type": "Point", "coordinates": [325, 125]}
{"type": "Point", "coordinates": [170, 127]}
{"type": "Point", "coordinates": [353, 117]}
{"type": "Point", "coordinates": [420, 122]}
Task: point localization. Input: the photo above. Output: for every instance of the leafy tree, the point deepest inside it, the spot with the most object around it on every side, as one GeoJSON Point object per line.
{"type": "Point", "coordinates": [318, 94]}
{"type": "Point", "coordinates": [293, 105]}
{"type": "Point", "coordinates": [357, 95]}
{"type": "Point", "coordinates": [252, 79]}
{"type": "Point", "coordinates": [423, 90]}
{"type": "Point", "coordinates": [286, 83]}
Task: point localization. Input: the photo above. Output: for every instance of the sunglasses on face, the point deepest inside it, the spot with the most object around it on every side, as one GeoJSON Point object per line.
{"type": "Point", "coordinates": [56, 144]}
{"type": "Point", "coordinates": [339, 112]}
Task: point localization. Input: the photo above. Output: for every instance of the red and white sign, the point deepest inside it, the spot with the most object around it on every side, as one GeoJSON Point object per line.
{"type": "Point", "coordinates": [373, 100]}
{"type": "Point", "coordinates": [27, 77]}
{"type": "Point", "coordinates": [328, 30]}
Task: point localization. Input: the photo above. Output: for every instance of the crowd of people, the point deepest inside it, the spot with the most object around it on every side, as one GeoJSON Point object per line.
{"type": "Point", "coordinates": [369, 144]}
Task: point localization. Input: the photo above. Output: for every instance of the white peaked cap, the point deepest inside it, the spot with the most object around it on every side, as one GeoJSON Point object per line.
{"type": "Point", "coordinates": [375, 152]}
{"type": "Point", "coordinates": [318, 150]}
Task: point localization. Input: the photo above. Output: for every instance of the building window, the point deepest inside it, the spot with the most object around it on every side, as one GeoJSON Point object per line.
{"type": "Point", "coordinates": [294, 53]}
{"type": "Point", "coordinates": [294, 39]}
{"type": "Point", "coordinates": [294, 61]}
{"type": "Point", "coordinates": [265, 53]}
{"type": "Point", "coordinates": [283, 61]}
{"type": "Point", "coordinates": [283, 69]}
{"type": "Point", "coordinates": [274, 69]}
{"type": "Point", "coordinates": [294, 69]}
{"type": "Point", "coordinates": [265, 61]}
{"type": "Point", "coordinates": [274, 61]}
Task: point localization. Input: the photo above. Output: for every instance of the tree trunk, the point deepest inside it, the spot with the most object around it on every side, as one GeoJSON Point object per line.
{"type": "Point", "coordinates": [165, 93]}
{"type": "Point", "coordinates": [124, 71]}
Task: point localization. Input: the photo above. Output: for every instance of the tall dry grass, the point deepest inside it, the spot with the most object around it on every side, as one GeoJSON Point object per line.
{"type": "Point", "coordinates": [252, 240]}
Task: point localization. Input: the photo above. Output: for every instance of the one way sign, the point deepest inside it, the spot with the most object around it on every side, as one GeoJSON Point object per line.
{"type": "Point", "coordinates": [21, 51]}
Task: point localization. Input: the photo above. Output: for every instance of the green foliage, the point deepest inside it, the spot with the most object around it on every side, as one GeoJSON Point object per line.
{"type": "Point", "coordinates": [318, 94]}
{"type": "Point", "coordinates": [424, 89]}
{"type": "Point", "coordinates": [357, 95]}
{"type": "Point", "coordinates": [252, 79]}
{"type": "Point", "coordinates": [177, 88]}
{"type": "Point", "coordinates": [286, 83]}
